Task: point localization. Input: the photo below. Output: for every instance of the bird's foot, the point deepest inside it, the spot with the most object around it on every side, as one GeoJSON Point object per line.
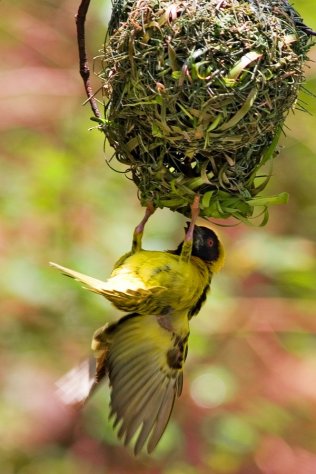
{"type": "Point", "coordinates": [139, 229]}
{"type": "Point", "coordinates": [195, 211]}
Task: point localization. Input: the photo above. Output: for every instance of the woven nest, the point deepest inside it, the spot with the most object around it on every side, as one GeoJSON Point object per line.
{"type": "Point", "coordinates": [196, 93]}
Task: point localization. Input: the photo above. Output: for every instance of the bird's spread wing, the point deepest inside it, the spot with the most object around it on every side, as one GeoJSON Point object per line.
{"type": "Point", "coordinates": [127, 294]}
{"type": "Point", "coordinates": [143, 357]}
{"type": "Point", "coordinates": [145, 371]}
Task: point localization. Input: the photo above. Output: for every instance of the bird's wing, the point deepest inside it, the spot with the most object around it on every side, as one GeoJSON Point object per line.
{"type": "Point", "coordinates": [130, 301]}
{"type": "Point", "coordinates": [126, 293]}
{"type": "Point", "coordinates": [145, 370]}
{"type": "Point", "coordinates": [77, 385]}
{"type": "Point", "coordinates": [143, 356]}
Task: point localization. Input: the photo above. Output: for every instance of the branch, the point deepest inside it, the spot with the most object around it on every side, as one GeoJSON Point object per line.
{"type": "Point", "coordinates": [83, 61]}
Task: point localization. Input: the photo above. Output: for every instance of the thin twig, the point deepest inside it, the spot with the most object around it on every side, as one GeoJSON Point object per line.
{"type": "Point", "coordinates": [83, 61]}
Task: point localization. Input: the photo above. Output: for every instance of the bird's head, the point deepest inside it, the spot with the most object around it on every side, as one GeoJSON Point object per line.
{"type": "Point", "coordinates": [206, 246]}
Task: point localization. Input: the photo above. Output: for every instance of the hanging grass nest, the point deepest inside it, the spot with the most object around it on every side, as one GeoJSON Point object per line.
{"type": "Point", "coordinates": [196, 93]}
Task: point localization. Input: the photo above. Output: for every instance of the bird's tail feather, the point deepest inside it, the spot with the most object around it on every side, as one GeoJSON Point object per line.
{"type": "Point", "coordinates": [124, 292]}
{"type": "Point", "coordinates": [91, 283]}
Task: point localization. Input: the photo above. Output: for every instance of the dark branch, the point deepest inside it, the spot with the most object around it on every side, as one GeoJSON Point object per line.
{"type": "Point", "coordinates": [83, 61]}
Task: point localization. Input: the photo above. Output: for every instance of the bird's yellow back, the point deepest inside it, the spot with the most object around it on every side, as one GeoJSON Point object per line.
{"type": "Point", "coordinates": [183, 281]}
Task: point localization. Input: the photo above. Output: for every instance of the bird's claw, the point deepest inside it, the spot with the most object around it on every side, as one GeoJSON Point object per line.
{"type": "Point", "coordinates": [195, 211]}
{"type": "Point", "coordinates": [139, 229]}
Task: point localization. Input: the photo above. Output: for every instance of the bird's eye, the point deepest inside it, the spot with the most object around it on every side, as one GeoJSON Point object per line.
{"type": "Point", "coordinates": [210, 242]}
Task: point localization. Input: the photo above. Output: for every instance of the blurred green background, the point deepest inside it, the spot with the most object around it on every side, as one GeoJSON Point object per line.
{"type": "Point", "coordinates": [249, 401]}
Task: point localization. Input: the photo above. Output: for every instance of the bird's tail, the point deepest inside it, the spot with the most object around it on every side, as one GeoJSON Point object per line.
{"type": "Point", "coordinates": [143, 358]}
{"type": "Point", "coordinates": [124, 292]}
{"type": "Point", "coordinates": [93, 284]}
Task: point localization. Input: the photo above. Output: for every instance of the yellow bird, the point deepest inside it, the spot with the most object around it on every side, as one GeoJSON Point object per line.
{"type": "Point", "coordinates": [143, 353]}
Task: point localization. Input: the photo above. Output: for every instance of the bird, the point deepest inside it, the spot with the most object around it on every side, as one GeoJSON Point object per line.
{"type": "Point", "coordinates": [142, 280]}
{"type": "Point", "coordinates": [142, 354]}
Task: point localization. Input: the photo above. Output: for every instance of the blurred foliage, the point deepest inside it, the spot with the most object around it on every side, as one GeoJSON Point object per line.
{"type": "Point", "coordinates": [250, 381]}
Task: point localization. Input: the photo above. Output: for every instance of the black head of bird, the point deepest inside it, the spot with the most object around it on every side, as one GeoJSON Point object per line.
{"type": "Point", "coordinates": [206, 246]}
